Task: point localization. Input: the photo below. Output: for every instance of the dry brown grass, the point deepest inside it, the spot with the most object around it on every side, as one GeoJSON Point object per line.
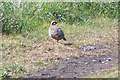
{"type": "Point", "coordinates": [32, 53]}
{"type": "Point", "coordinates": [108, 73]}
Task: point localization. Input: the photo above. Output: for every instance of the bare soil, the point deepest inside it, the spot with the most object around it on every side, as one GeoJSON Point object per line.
{"type": "Point", "coordinates": [93, 60]}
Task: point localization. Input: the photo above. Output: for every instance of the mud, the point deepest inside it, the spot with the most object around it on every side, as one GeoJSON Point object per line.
{"type": "Point", "coordinates": [81, 66]}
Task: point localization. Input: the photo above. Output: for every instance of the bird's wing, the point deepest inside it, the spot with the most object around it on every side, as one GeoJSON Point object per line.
{"type": "Point", "coordinates": [60, 32]}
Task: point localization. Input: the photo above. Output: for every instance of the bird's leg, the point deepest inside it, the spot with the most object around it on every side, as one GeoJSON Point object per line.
{"type": "Point", "coordinates": [53, 44]}
{"type": "Point", "coordinates": [58, 47]}
{"type": "Point", "coordinates": [57, 42]}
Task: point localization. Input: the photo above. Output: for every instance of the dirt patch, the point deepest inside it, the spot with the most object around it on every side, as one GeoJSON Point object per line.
{"type": "Point", "coordinates": [83, 65]}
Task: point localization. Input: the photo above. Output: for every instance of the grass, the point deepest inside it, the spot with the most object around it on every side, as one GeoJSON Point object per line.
{"type": "Point", "coordinates": [28, 52]}
{"type": "Point", "coordinates": [108, 73]}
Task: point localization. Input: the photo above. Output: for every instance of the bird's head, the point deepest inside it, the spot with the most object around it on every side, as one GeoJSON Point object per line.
{"type": "Point", "coordinates": [53, 23]}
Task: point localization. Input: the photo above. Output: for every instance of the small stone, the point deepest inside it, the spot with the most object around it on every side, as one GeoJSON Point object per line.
{"type": "Point", "coordinates": [100, 61]}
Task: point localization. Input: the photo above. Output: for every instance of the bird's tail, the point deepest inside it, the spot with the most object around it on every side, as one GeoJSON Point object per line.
{"type": "Point", "coordinates": [64, 39]}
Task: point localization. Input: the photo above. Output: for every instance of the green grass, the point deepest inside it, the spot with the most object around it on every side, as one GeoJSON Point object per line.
{"type": "Point", "coordinates": [29, 51]}
{"type": "Point", "coordinates": [14, 71]}
{"type": "Point", "coordinates": [29, 15]}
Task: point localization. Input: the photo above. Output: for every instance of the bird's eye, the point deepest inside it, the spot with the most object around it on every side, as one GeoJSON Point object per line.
{"type": "Point", "coordinates": [53, 23]}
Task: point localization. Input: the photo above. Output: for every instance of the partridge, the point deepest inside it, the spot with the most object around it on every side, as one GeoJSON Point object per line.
{"type": "Point", "coordinates": [56, 32]}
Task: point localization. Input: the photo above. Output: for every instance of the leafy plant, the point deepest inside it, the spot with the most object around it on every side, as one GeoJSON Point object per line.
{"type": "Point", "coordinates": [31, 15]}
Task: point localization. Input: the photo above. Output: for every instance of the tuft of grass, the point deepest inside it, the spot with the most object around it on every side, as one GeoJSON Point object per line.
{"type": "Point", "coordinates": [13, 71]}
